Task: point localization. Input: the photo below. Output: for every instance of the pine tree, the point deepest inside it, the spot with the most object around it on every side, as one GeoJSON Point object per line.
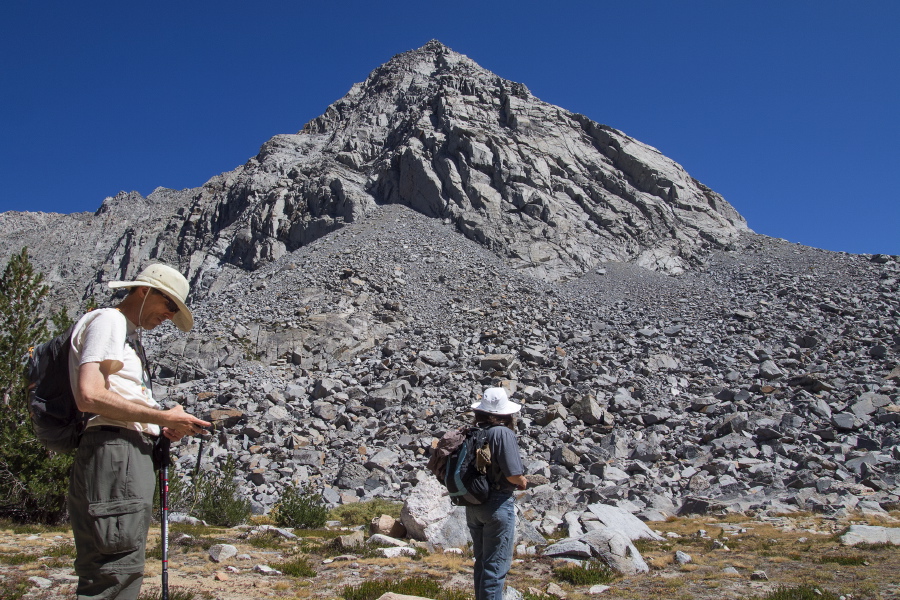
{"type": "Point", "coordinates": [22, 292]}
{"type": "Point", "coordinates": [33, 480]}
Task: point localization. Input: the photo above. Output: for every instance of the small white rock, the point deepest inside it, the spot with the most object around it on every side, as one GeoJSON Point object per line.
{"type": "Point", "coordinates": [266, 570]}
{"type": "Point", "coordinates": [397, 551]}
{"type": "Point", "coordinates": [40, 582]}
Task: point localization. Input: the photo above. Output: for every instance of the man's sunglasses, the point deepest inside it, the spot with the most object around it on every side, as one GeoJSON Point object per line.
{"type": "Point", "coordinates": [170, 304]}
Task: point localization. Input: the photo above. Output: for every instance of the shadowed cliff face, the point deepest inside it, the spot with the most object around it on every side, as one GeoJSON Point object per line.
{"type": "Point", "coordinates": [551, 192]}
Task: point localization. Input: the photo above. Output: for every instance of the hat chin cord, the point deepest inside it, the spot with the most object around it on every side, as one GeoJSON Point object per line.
{"type": "Point", "coordinates": [140, 327]}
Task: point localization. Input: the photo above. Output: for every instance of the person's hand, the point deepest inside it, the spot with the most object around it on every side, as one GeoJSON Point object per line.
{"type": "Point", "coordinates": [180, 423]}
{"type": "Point", "coordinates": [519, 481]}
{"type": "Point", "coordinates": [172, 435]}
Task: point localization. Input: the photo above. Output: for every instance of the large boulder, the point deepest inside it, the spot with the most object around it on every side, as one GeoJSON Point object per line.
{"type": "Point", "coordinates": [616, 550]}
{"type": "Point", "coordinates": [623, 521]}
{"type": "Point", "coordinates": [871, 534]}
{"type": "Point", "coordinates": [608, 545]}
{"type": "Point", "coordinates": [426, 504]}
{"type": "Point", "coordinates": [449, 532]}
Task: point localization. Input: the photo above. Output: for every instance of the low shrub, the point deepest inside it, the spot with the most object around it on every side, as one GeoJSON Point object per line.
{"type": "Point", "coordinates": [847, 561]}
{"type": "Point", "coordinates": [876, 547]}
{"type": "Point", "coordinates": [218, 499]}
{"type": "Point", "coordinates": [296, 567]}
{"type": "Point", "coordinates": [301, 508]}
{"type": "Point", "coordinates": [362, 513]}
{"type": "Point", "coordinates": [155, 552]}
{"type": "Point", "coordinates": [13, 587]}
{"type": "Point", "coordinates": [413, 586]}
{"type": "Point", "coordinates": [20, 528]}
{"type": "Point", "coordinates": [591, 572]}
{"type": "Point", "coordinates": [18, 558]}
{"type": "Point", "coordinates": [175, 593]}
{"type": "Point", "coordinates": [803, 592]}
{"type": "Point", "coordinates": [645, 545]}
{"type": "Point", "coordinates": [536, 595]}
{"type": "Point", "coordinates": [266, 539]}
{"type": "Point", "coordinates": [65, 549]}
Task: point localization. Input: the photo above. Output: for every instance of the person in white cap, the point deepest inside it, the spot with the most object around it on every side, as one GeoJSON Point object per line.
{"type": "Point", "coordinates": [112, 483]}
{"type": "Point", "coordinates": [493, 524]}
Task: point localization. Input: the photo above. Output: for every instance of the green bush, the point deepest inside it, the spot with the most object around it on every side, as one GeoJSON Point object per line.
{"type": "Point", "coordinates": [362, 513]}
{"type": "Point", "coordinates": [529, 595]}
{"type": "Point", "coordinates": [296, 567]}
{"type": "Point", "coordinates": [175, 593]}
{"type": "Point", "coordinates": [847, 561]}
{"type": "Point", "coordinates": [413, 586]}
{"type": "Point", "coordinates": [301, 507]}
{"type": "Point", "coordinates": [18, 558]}
{"type": "Point", "coordinates": [217, 498]}
{"type": "Point", "coordinates": [803, 592]}
{"type": "Point", "coordinates": [590, 573]}
{"type": "Point", "coordinates": [65, 549]}
{"type": "Point", "coordinates": [267, 539]}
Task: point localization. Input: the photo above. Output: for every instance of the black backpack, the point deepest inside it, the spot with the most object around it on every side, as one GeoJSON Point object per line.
{"type": "Point", "coordinates": [466, 473]}
{"type": "Point", "coordinates": [57, 422]}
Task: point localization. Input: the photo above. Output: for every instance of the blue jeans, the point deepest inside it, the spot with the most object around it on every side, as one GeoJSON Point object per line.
{"type": "Point", "coordinates": [493, 529]}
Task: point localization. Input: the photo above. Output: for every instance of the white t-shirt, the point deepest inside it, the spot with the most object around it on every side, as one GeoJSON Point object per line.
{"type": "Point", "coordinates": [101, 335]}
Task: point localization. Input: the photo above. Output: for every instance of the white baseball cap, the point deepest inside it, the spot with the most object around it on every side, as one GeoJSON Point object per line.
{"type": "Point", "coordinates": [495, 401]}
{"type": "Point", "coordinates": [168, 281]}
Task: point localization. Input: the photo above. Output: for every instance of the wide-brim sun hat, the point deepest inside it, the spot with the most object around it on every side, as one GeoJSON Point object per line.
{"type": "Point", "coordinates": [168, 281]}
{"type": "Point", "coordinates": [496, 402]}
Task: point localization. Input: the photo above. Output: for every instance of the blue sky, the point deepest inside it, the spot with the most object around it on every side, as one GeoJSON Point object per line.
{"type": "Point", "coordinates": [790, 109]}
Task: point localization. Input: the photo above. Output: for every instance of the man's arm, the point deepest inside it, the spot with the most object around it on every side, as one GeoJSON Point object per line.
{"type": "Point", "coordinates": [94, 397]}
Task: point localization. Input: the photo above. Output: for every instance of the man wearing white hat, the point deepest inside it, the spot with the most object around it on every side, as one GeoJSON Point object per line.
{"type": "Point", "coordinates": [493, 523]}
{"type": "Point", "coordinates": [112, 482]}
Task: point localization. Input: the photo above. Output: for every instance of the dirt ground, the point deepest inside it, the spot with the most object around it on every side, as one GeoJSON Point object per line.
{"type": "Point", "coordinates": [728, 555]}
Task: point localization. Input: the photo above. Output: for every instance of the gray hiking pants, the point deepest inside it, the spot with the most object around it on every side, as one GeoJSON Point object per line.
{"type": "Point", "coordinates": [110, 504]}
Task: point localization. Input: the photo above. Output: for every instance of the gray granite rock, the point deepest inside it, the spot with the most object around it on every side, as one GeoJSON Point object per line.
{"type": "Point", "coordinates": [871, 534]}
{"type": "Point", "coordinates": [221, 552]}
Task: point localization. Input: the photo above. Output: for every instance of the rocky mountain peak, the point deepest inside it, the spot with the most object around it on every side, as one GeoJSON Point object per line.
{"type": "Point", "coordinates": [551, 192]}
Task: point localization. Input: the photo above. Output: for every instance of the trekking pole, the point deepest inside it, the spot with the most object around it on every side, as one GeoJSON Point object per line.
{"type": "Point", "coordinates": [199, 456]}
{"type": "Point", "coordinates": [164, 512]}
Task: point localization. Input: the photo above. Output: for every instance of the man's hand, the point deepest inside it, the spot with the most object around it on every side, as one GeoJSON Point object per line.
{"type": "Point", "coordinates": [177, 423]}
{"type": "Point", "coordinates": [519, 481]}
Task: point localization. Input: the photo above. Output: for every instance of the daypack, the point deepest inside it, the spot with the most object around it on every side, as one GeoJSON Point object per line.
{"type": "Point", "coordinates": [461, 462]}
{"type": "Point", "coordinates": [57, 422]}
